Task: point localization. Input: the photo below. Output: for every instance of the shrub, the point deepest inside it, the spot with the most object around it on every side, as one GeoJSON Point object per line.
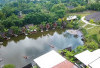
{"type": "Point", "coordinates": [9, 66]}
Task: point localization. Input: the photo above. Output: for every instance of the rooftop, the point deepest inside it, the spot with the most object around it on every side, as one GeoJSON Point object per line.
{"type": "Point", "coordinates": [91, 59]}
{"type": "Point", "coordinates": [94, 16]}
{"type": "Point", "coordinates": [53, 60]}
{"type": "Point", "coordinates": [71, 18]}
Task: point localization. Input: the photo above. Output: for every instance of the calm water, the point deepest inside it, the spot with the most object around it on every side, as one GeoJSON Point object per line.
{"type": "Point", "coordinates": [35, 45]}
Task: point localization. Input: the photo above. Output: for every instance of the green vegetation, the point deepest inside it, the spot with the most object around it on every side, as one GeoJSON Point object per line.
{"type": "Point", "coordinates": [17, 14]}
{"type": "Point", "coordinates": [91, 39]}
{"type": "Point", "coordinates": [9, 66]}
{"type": "Point", "coordinates": [88, 26]}
{"type": "Point", "coordinates": [91, 46]}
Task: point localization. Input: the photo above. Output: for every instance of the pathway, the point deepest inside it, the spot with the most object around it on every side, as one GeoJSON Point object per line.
{"type": "Point", "coordinates": [87, 23]}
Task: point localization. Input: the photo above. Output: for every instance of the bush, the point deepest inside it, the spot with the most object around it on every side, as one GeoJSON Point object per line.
{"type": "Point", "coordinates": [91, 45]}
{"type": "Point", "coordinates": [69, 25]}
{"type": "Point", "coordinates": [9, 66]}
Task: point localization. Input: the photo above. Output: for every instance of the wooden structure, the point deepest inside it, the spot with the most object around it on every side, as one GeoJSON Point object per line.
{"type": "Point", "coordinates": [47, 26]}
{"type": "Point", "coordinates": [54, 25]}
{"type": "Point", "coordinates": [41, 27]}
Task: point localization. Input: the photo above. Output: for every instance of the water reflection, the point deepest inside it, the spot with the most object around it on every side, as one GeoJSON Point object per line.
{"type": "Point", "coordinates": [35, 45]}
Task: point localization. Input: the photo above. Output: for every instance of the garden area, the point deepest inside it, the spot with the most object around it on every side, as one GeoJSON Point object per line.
{"type": "Point", "coordinates": [91, 39]}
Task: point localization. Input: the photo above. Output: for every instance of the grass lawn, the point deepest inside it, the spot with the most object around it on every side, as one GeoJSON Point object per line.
{"type": "Point", "coordinates": [95, 30]}
{"type": "Point", "coordinates": [81, 23]}
{"type": "Point", "coordinates": [88, 26]}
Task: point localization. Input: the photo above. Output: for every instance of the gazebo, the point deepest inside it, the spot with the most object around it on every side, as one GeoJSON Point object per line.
{"type": "Point", "coordinates": [71, 18]}
{"type": "Point", "coordinates": [53, 60]}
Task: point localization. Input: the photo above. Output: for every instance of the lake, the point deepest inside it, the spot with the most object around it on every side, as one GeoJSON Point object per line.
{"type": "Point", "coordinates": [35, 45]}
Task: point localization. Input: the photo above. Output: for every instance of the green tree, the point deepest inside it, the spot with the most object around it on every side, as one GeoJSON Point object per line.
{"type": "Point", "coordinates": [37, 18]}
{"type": "Point", "coordinates": [70, 55]}
{"type": "Point", "coordinates": [2, 16]}
{"type": "Point", "coordinates": [92, 45]}
{"type": "Point", "coordinates": [15, 29]}
{"type": "Point", "coordinates": [80, 49]}
{"type": "Point", "coordinates": [12, 20]}
{"type": "Point", "coordinates": [91, 21]}
{"type": "Point", "coordinates": [55, 1]}
{"type": "Point", "coordinates": [59, 9]}
{"type": "Point", "coordinates": [1, 28]}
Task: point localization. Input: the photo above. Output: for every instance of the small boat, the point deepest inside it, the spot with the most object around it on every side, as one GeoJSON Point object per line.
{"type": "Point", "coordinates": [25, 57]}
{"type": "Point", "coordinates": [51, 46]}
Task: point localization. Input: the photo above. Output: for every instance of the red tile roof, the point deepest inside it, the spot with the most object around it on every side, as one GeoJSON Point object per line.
{"type": "Point", "coordinates": [65, 64]}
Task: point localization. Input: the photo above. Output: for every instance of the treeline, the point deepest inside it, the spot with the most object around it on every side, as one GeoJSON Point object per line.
{"type": "Point", "coordinates": [94, 6]}
{"type": "Point", "coordinates": [78, 9]}
{"type": "Point", "coordinates": [23, 12]}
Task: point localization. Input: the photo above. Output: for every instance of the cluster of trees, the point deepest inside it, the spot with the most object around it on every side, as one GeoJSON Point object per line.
{"type": "Point", "coordinates": [36, 12]}
{"type": "Point", "coordinates": [32, 12]}
{"type": "Point", "coordinates": [94, 6]}
{"type": "Point", "coordinates": [78, 9]}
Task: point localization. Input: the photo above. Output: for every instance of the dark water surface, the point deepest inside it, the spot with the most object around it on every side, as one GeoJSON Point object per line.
{"type": "Point", "coordinates": [35, 45]}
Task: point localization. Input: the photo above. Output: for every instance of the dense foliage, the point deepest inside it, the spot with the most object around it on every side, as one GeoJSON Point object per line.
{"type": "Point", "coordinates": [9, 66]}
{"type": "Point", "coordinates": [14, 14]}
{"type": "Point", "coordinates": [22, 12]}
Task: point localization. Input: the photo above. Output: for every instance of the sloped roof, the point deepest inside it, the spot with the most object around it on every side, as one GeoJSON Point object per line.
{"type": "Point", "coordinates": [65, 64]}
{"type": "Point", "coordinates": [53, 60]}
{"type": "Point", "coordinates": [91, 59]}
{"type": "Point", "coordinates": [95, 64]}
{"type": "Point", "coordinates": [94, 16]}
{"type": "Point", "coordinates": [49, 59]}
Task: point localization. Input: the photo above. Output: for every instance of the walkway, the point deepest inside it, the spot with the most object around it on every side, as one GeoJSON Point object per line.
{"type": "Point", "coordinates": [87, 23]}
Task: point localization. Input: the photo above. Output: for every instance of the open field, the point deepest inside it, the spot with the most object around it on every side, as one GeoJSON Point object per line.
{"type": "Point", "coordinates": [95, 30]}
